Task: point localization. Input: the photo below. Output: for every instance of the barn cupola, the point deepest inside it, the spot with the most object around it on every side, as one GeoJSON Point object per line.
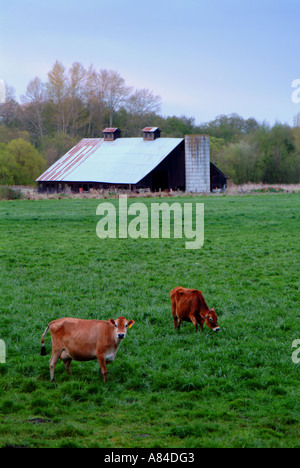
{"type": "Point", "coordinates": [151, 133]}
{"type": "Point", "coordinates": [111, 134]}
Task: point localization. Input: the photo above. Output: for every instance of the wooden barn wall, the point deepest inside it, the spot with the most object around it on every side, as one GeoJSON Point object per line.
{"type": "Point", "coordinates": [171, 170]}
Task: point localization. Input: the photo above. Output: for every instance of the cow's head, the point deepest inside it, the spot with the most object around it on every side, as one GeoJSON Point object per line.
{"type": "Point", "coordinates": [211, 320]}
{"type": "Point", "coordinates": [121, 325]}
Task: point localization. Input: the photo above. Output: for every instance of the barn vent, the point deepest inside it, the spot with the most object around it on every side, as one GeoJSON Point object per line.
{"type": "Point", "coordinates": [151, 133]}
{"type": "Point", "coordinates": [111, 134]}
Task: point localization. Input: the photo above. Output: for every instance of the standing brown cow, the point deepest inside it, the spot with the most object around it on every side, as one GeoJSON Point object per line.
{"type": "Point", "coordinates": [85, 340]}
{"type": "Point", "coordinates": [188, 305]}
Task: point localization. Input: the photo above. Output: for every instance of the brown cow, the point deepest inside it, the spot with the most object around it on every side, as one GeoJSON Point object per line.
{"type": "Point", "coordinates": [85, 340]}
{"type": "Point", "coordinates": [188, 305]}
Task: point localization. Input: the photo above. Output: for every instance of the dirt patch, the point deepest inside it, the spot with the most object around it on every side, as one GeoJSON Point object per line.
{"type": "Point", "coordinates": [39, 421]}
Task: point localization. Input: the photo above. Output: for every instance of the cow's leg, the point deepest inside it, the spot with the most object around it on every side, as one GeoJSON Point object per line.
{"type": "Point", "coordinates": [65, 357]}
{"type": "Point", "coordinates": [179, 322]}
{"type": "Point", "coordinates": [53, 361]}
{"type": "Point", "coordinates": [176, 322]}
{"type": "Point", "coordinates": [195, 323]}
{"type": "Point", "coordinates": [67, 363]}
{"type": "Point", "coordinates": [102, 363]}
{"type": "Point", "coordinates": [175, 317]}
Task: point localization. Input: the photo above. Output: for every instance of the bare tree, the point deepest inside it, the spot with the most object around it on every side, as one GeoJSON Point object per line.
{"type": "Point", "coordinates": [143, 102]}
{"type": "Point", "coordinates": [94, 102]}
{"type": "Point", "coordinates": [297, 120]}
{"type": "Point", "coordinates": [9, 110]}
{"type": "Point", "coordinates": [75, 92]}
{"type": "Point", "coordinates": [34, 105]}
{"type": "Point", "coordinates": [141, 106]}
{"type": "Point", "coordinates": [57, 93]}
{"type": "Point", "coordinates": [114, 91]}
{"type": "Point", "coordinates": [79, 102]}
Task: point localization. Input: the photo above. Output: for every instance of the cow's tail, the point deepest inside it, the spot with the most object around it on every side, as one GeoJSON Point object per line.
{"type": "Point", "coordinates": [43, 349]}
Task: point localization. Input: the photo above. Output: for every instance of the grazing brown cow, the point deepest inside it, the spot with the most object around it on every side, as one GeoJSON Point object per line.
{"type": "Point", "coordinates": [85, 340]}
{"type": "Point", "coordinates": [188, 305]}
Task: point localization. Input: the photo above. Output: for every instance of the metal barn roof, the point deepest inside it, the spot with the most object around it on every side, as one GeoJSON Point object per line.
{"type": "Point", "coordinates": [123, 161]}
{"type": "Point", "coordinates": [110, 130]}
{"type": "Point", "coordinates": [150, 129]}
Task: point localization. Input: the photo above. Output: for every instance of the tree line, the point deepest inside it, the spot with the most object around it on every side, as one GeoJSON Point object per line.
{"type": "Point", "coordinates": [53, 116]}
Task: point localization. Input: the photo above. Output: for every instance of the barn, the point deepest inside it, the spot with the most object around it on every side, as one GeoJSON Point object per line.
{"type": "Point", "coordinates": [150, 162]}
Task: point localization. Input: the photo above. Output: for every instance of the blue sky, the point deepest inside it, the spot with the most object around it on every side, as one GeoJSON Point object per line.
{"type": "Point", "coordinates": [203, 57]}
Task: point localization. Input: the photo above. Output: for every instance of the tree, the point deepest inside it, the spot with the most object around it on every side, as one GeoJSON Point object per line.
{"type": "Point", "coordinates": [12, 133]}
{"type": "Point", "coordinates": [143, 102]}
{"type": "Point", "coordinates": [93, 97]}
{"type": "Point", "coordinates": [57, 93]}
{"type": "Point", "coordinates": [176, 127]}
{"type": "Point", "coordinates": [78, 103]}
{"type": "Point", "coordinates": [75, 91]}
{"type": "Point", "coordinates": [141, 109]}
{"type": "Point", "coordinates": [240, 162]}
{"type": "Point", "coordinates": [278, 150]}
{"type": "Point", "coordinates": [34, 104]}
{"type": "Point", "coordinates": [296, 130]}
{"type": "Point", "coordinates": [7, 166]}
{"type": "Point", "coordinates": [230, 127]}
{"type": "Point", "coordinates": [26, 162]}
{"type": "Point", "coordinates": [53, 147]}
{"type": "Point", "coordinates": [9, 110]}
{"type": "Point", "coordinates": [216, 145]}
{"type": "Point", "coordinates": [114, 91]}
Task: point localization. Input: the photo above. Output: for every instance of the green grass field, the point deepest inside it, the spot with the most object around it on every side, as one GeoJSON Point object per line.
{"type": "Point", "coordinates": [236, 388]}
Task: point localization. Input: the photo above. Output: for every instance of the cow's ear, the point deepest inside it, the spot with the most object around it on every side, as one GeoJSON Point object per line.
{"type": "Point", "coordinates": [130, 323]}
{"type": "Point", "coordinates": [112, 321]}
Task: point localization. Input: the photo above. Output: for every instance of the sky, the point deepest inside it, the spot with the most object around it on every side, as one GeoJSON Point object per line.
{"type": "Point", "coordinates": [203, 57]}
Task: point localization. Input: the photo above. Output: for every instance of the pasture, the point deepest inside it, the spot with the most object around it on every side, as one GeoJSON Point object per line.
{"type": "Point", "coordinates": [236, 388]}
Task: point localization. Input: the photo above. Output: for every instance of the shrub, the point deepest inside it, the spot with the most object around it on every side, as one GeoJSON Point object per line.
{"type": "Point", "coordinates": [8, 193]}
